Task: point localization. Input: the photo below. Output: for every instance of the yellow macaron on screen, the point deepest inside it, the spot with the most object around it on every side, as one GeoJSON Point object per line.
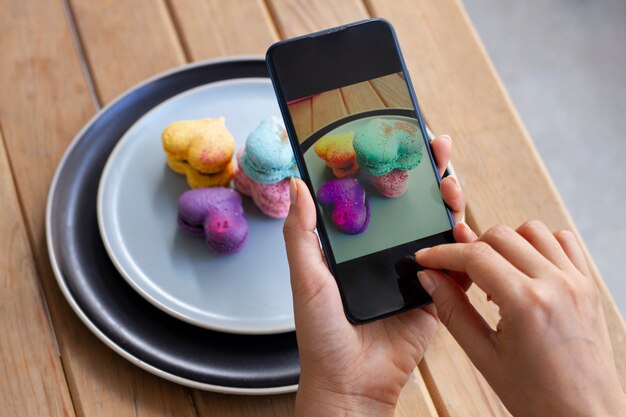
{"type": "Point", "coordinates": [367, 161]}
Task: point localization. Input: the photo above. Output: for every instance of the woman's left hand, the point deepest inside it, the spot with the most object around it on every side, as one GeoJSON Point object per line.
{"type": "Point", "coordinates": [348, 369]}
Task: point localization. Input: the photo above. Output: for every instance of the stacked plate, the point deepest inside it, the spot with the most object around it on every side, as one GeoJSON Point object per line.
{"type": "Point", "coordinates": [156, 296]}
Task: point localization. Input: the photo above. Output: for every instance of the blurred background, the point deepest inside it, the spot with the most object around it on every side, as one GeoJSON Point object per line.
{"type": "Point", "coordinates": [563, 63]}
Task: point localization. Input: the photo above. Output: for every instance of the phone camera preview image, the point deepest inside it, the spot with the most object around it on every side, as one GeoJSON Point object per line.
{"type": "Point", "coordinates": [366, 159]}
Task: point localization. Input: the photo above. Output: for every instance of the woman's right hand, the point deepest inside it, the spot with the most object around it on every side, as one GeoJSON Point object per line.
{"type": "Point", "coordinates": [550, 354]}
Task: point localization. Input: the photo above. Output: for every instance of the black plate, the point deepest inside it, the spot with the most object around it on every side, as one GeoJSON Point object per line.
{"type": "Point", "coordinates": [104, 301]}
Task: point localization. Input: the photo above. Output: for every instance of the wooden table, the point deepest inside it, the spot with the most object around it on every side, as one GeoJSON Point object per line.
{"type": "Point", "coordinates": [61, 60]}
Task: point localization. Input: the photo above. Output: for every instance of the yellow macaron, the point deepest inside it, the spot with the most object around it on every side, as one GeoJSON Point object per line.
{"type": "Point", "coordinates": [198, 148]}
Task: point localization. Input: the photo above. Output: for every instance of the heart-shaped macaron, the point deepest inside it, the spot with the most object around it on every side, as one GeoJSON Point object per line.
{"type": "Point", "coordinates": [392, 185]}
{"type": "Point", "coordinates": [383, 145]}
{"type": "Point", "coordinates": [268, 157]}
{"type": "Point", "coordinates": [215, 213]}
{"type": "Point", "coordinates": [272, 199]}
{"type": "Point", "coordinates": [346, 198]}
{"type": "Point", "coordinates": [338, 153]}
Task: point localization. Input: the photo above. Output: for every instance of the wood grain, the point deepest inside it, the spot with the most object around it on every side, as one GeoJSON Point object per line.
{"type": "Point", "coordinates": [33, 383]}
{"type": "Point", "coordinates": [392, 90]}
{"type": "Point", "coordinates": [302, 118]}
{"type": "Point", "coordinates": [212, 28]}
{"type": "Point", "coordinates": [361, 97]}
{"type": "Point", "coordinates": [455, 386]}
{"type": "Point", "coordinates": [45, 100]}
{"type": "Point", "coordinates": [327, 107]}
{"type": "Point", "coordinates": [297, 17]}
{"type": "Point", "coordinates": [126, 42]}
{"type": "Point", "coordinates": [415, 400]}
{"type": "Point", "coordinates": [498, 165]}
{"type": "Point", "coordinates": [211, 404]}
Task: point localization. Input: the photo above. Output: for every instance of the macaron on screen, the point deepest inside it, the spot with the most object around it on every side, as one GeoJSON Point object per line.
{"type": "Point", "coordinates": [394, 217]}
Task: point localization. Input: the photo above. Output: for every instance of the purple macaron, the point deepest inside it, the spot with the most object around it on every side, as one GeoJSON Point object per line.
{"type": "Point", "coordinates": [348, 202]}
{"type": "Point", "coordinates": [215, 213]}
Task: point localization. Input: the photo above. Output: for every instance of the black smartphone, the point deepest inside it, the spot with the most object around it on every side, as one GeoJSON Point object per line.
{"type": "Point", "coordinates": [361, 145]}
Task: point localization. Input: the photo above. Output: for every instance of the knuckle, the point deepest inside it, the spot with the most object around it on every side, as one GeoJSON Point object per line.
{"type": "Point", "coordinates": [476, 250]}
{"type": "Point", "coordinates": [446, 310]}
{"type": "Point", "coordinates": [497, 232]}
{"type": "Point", "coordinates": [289, 228]}
{"type": "Point", "coordinates": [532, 226]}
{"type": "Point", "coordinates": [583, 288]}
{"type": "Point", "coordinates": [542, 300]}
{"type": "Point", "coordinates": [564, 235]}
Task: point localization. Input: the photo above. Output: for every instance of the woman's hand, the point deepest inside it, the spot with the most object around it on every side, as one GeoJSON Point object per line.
{"type": "Point", "coordinates": [550, 354]}
{"type": "Point", "coordinates": [347, 369]}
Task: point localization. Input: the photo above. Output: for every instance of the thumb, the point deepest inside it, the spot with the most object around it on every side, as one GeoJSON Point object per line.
{"type": "Point", "coordinates": [308, 270]}
{"type": "Point", "coordinates": [455, 311]}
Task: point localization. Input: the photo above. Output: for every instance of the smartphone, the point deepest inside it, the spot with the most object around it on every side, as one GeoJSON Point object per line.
{"type": "Point", "coordinates": [361, 146]}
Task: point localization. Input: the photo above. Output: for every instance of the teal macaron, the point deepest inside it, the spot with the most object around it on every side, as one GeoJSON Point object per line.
{"type": "Point", "coordinates": [383, 145]}
{"type": "Point", "coordinates": [268, 157]}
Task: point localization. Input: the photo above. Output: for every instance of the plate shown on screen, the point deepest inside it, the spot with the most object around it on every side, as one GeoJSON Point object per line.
{"type": "Point", "coordinates": [247, 292]}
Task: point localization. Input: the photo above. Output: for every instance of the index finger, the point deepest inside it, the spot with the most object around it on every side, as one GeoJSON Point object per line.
{"type": "Point", "coordinates": [484, 266]}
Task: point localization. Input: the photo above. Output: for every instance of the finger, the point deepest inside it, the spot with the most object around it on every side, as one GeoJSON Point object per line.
{"type": "Point", "coordinates": [453, 196]}
{"type": "Point", "coordinates": [543, 240]}
{"type": "Point", "coordinates": [485, 267]}
{"type": "Point", "coordinates": [462, 234]}
{"type": "Point", "coordinates": [467, 326]}
{"type": "Point", "coordinates": [517, 250]}
{"type": "Point", "coordinates": [572, 249]}
{"type": "Point", "coordinates": [441, 147]}
{"type": "Point", "coordinates": [306, 265]}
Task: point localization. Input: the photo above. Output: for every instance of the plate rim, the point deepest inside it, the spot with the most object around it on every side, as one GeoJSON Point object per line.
{"type": "Point", "coordinates": [128, 277]}
{"type": "Point", "coordinates": [57, 270]}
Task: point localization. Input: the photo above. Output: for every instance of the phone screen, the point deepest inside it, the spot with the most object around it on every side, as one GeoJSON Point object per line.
{"type": "Point", "coordinates": [362, 149]}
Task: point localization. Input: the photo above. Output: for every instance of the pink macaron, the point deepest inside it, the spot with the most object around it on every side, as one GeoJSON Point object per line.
{"type": "Point", "coordinates": [391, 185]}
{"type": "Point", "coordinates": [272, 199]}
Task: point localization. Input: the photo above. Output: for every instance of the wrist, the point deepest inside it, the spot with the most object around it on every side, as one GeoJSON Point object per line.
{"type": "Point", "coordinates": [318, 399]}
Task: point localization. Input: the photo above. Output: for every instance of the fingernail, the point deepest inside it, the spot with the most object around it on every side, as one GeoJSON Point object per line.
{"type": "Point", "coordinates": [421, 251]}
{"type": "Point", "coordinates": [448, 138]}
{"type": "Point", "coordinates": [456, 182]}
{"type": "Point", "coordinates": [293, 191]}
{"type": "Point", "coordinates": [427, 281]}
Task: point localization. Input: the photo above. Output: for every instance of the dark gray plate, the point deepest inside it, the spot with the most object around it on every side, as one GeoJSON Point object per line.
{"type": "Point", "coordinates": [103, 300]}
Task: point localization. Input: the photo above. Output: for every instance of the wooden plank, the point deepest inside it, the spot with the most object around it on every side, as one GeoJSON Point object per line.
{"type": "Point", "coordinates": [466, 392]}
{"type": "Point", "coordinates": [392, 90]}
{"type": "Point", "coordinates": [45, 100]}
{"type": "Point", "coordinates": [210, 404]}
{"type": "Point", "coordinates": [212, 28]}
{"type": "Point", "coordinates": [126, 42]}
{"type": "Point", "coordinates": [297, 17]}
{"type": "Point", "coordinates": [327, 107]}
{"type": "Point", "coordinates": [463, 96]}
{"type": "Point", "coordinates": [361, 97]}
{"type": "Point", "coordinates": [415, 399]}
{"type": "Point", "coordinates": [301, 114]}
{"type": "Point", "coordinates": [33, 383]}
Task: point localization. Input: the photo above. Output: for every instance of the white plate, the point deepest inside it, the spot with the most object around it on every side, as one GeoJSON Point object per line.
{"type": "Point", "coordinates": [247, 292]}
